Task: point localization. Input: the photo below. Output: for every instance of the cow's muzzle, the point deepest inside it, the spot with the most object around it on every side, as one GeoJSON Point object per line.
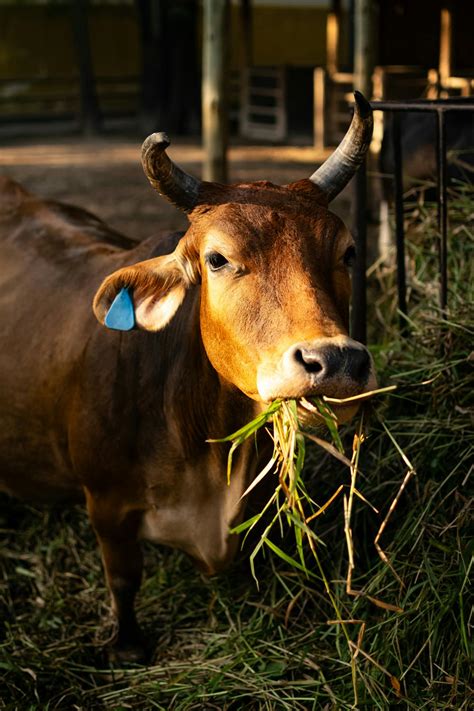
{"type": "Point", "coordinates": [337, 367]}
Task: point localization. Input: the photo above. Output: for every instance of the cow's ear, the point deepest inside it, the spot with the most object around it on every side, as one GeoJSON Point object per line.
{"type": "Point", "coordinates": [146, 295]}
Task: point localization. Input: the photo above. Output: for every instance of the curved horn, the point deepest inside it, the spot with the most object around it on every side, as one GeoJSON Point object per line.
{"type": "Point", "coordinates": [334, 174]}
{"type": "Point", "coordinates": [165, 176]}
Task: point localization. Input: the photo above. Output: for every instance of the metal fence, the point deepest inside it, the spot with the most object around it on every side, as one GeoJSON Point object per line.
{"type": "Point", "coordinates": [359, 290]}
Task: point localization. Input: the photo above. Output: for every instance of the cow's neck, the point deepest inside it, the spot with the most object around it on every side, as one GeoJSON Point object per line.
{"type": "Point", "coordinates": [203, 406]}
{"type": "Point", "coordinates": [197, 406]}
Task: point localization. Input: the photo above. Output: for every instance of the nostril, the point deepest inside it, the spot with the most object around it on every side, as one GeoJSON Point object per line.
{"type": "Point", "coordinates": [309, 360]}
{"type": "Point", "coordinates": [360, 366]}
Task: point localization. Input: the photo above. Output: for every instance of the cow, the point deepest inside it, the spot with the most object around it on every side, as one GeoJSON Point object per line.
{"type": "Point", "coordinates": [205, 329]}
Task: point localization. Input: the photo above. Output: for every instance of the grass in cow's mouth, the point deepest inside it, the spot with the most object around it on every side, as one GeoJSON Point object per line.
{"type": "Point", "coordinates": [290, 501]}
{"type": "Point", "coordinates": [291, 505]}
{"type": "Point", "coordinates": [222, 644]}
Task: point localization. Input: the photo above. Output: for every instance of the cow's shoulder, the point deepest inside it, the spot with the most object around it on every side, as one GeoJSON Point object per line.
{"type": "Point", "coordinates": [78, 221]}
{"type": "Point", "coordinates": [48, 226]}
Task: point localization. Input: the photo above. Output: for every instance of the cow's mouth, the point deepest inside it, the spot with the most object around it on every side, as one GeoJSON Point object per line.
{"type": "Point", "coordinates": [336, 367]}
{"type": "Point", "coordinates": [310, 416]}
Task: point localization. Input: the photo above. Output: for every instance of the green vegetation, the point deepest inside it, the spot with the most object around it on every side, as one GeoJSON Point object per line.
{"type": "Point", "coordinates": [299, 640]}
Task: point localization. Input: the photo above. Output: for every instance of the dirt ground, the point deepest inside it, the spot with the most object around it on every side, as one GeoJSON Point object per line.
{"type": "Point", "coordinates": [105, 176]}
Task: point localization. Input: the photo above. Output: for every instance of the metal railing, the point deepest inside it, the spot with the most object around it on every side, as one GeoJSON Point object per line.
{"type": "Point", "coordinates": [359, 282]}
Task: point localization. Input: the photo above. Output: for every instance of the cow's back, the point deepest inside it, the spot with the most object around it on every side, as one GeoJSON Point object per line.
{"type": "Point", "coordinates": [53, 259]}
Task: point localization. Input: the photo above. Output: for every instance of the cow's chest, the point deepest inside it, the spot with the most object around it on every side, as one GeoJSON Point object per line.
{"type": "Point", "coordinates": [195, 513]}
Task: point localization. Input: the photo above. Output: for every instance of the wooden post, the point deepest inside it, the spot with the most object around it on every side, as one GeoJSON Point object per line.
{"type": "Point", "coordinates": [332, 37]}
{"type": "Point", "coordinates": [246, 30]}
{"type": "Point", "coordinates": [364, 50]}
{"type": "Point", "coordinates": [445, 47]}
{"type": "Point", "coordinates": [90, 112]}
{"type": "Point", "coordinates": [379, 94]}
{"type": "Point", "coordinates": [214, 116]}
{"type": "Point", "coordinates": [319, 105]}
{"type": "Point", "coordinates": [150, 16]}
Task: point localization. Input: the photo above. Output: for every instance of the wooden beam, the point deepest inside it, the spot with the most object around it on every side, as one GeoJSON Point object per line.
{"type": "Point", "coordinates": [214, 105]}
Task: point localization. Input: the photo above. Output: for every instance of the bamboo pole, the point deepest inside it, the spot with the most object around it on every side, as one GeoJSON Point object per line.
{"type": "Point", "coordinates": [214, 115]}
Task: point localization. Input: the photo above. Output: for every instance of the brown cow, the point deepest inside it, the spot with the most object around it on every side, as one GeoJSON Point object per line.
{"type": "Point", "coordinates": [251, 304]}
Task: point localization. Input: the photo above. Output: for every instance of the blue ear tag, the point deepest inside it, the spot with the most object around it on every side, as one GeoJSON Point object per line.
{"type": "Point", "coordinates": [121, 315]}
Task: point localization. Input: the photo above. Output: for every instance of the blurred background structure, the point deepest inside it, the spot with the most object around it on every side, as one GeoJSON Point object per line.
{"type": "Point", "coordinates": [114, 64]}
{"type": "Point", "coordinates": [244, 73]}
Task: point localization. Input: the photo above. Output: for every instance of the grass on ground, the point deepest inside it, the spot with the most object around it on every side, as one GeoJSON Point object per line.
{"type": "Point", "coordinates": [221, 643]}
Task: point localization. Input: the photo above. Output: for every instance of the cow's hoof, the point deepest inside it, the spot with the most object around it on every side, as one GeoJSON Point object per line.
{"type": "Point", "coordinates": [122, 650]}
{"type": "Point", "coordinates": [119, 655]}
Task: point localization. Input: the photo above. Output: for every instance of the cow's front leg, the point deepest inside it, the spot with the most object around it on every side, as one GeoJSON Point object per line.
{"type": "Point", "coordinates": [123, 564]}
{"type": "Point", "coordinates": [117, 534]}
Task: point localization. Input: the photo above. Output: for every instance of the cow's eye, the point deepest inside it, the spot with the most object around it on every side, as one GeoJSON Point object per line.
{"type": "Point", "coordinates": [216, 261]}
{"type": "Point", "coordinates": [350, 256]}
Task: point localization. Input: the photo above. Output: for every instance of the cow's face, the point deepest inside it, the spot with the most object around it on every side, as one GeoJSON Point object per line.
{"type": "Point", "coordinates": [273, 264]}
{"type": "Point", "coordinates": [274, 269]}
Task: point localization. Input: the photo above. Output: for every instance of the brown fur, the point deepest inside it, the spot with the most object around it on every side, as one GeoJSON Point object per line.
{"type": "Point", "coordinates": [124, 419]}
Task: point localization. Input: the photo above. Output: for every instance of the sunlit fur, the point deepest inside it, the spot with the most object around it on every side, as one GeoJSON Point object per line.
{"type": "Point", "coordinates": [285, 282]}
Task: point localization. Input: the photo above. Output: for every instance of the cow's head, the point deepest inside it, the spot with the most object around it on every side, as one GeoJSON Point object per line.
{"type": "Point", "coordinates": [274, 267]}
